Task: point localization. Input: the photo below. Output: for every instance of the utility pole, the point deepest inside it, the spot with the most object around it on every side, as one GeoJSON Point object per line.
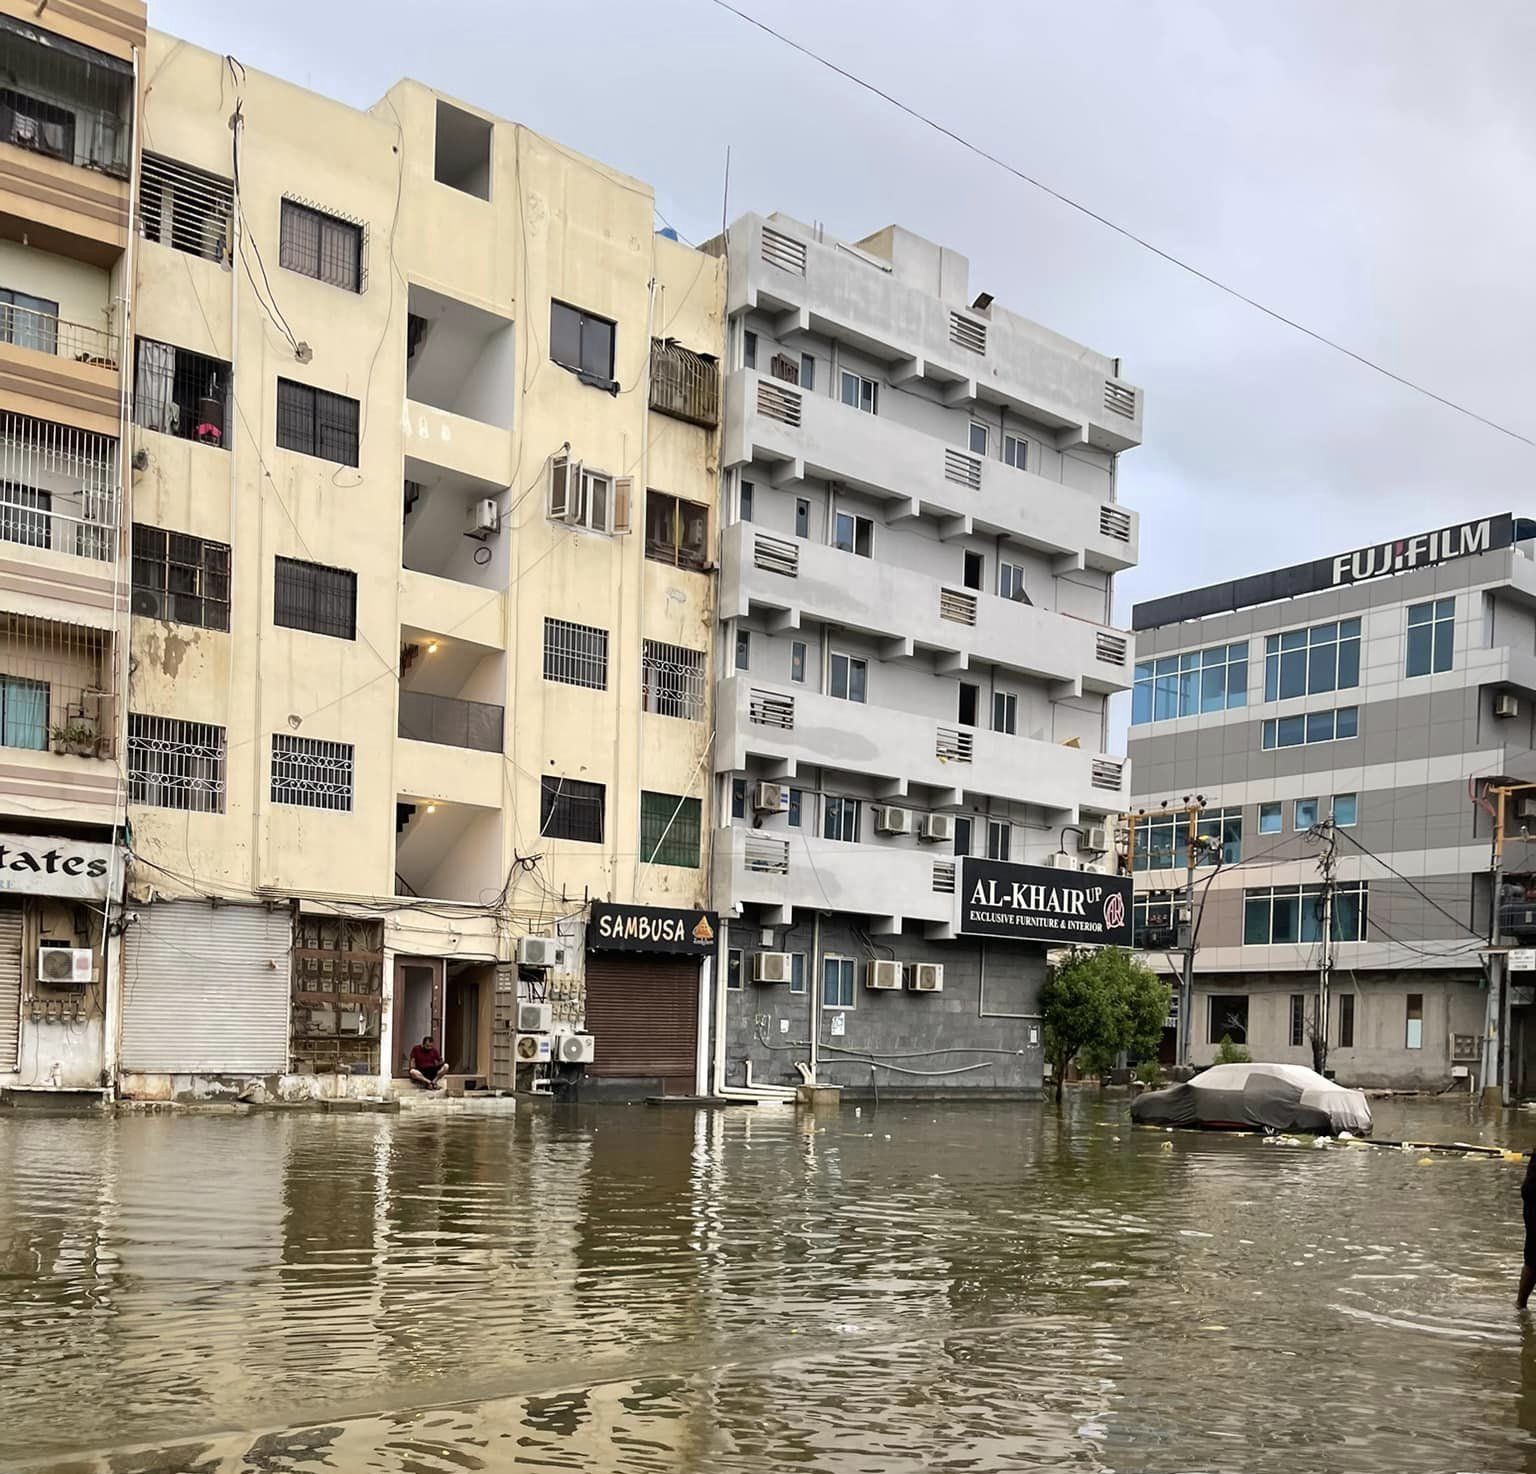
{"type": "Point", "coordinates": [1493, 1033]}
{"type": "Point", "coordinates": [1325, 965]}
{"type": "Point", "coordinates": [1187, 981]}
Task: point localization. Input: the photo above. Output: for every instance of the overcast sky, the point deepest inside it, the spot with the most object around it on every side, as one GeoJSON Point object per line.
{"type": "Point", "coordinates": [1365, 166]}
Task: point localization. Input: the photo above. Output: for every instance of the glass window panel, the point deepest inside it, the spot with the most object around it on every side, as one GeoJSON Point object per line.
{"type": "Point", "coordinates": [1141, 703]}
{"type": "Point", "coordinates": [1268, 738]}
{"type": "Point", "coordinates": [1271, 819]}
{"type": "Point", "coordinates": [1322, 634]}
{"type": "Point", "coordinates": [1190, 660]}
{"type": "Point", "coordinates": [1347, 721]}
{"type": "Point", "coordinates": [1286, 920]}
{"type": "Point", "coordinates": [1293, 674]}
{"type": "Point", "coordinates": [1292, 731]}
{"type": "Point", "coordinates": [1271, 677]}
{"type": "Point", "coordinates": [1345, 808]}
{"type": "Point", "coordinates": [1322, 667]}
{"type": "Point", "coordinates": [1271, 644]}
{"type": "Point", "coordinates": [1311, 906]}
{"type": "Point", "coordinates": [1420, 649]}
{"type": "Point", "coordinates": [1319, 726]}
{"type": "Point", "coordinates": [1237, 683]}
{"type": "Point", "coordinates": [1239, 651]}
{"type": "Point", "coordinates": [1213, 688]}
{"type": "Point", "coordinates": [1293, 640]}
{"type": "Point", "coordinates": [1256, 919]}
{"type": "Point", "coordinates": [1189, 692]}
{"type": "Point", "coordinates": [1166, 698]}
{"type": "Point", "coordinates": [1445, 631]}
{"type": "Point", "coordinates": [1349, 664]}
{"type": "Point", "coordinates": [1168, 665]}
{"type": "Point", "coordinates": [1349, 629]}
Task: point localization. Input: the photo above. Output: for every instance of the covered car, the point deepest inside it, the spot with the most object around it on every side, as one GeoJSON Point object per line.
{"type": "Point", "coordinates": [1257, 1097]}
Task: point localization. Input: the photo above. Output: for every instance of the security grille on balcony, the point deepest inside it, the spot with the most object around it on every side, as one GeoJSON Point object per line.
{"type": "Point", "coordinates": [957, 607]}
{"type": "Point", "coordinates": [783, 251]}
{"type": "Point", "coordinates": [1115, 523]}
{"type": "Point", "coordinates": [962, 468]}
{"type": "Point", "coordinates": [784, 368]}
{"type": "Point", "coordinates": [58, 488]}
{"type": "Point", "coordinates": [1119, 399]}
{"type": "Point", "coordinates": [769, 709]}
{"type": "Point", "coordinates": [965, 332]}
{"type": "Point", "coordinates": [64, 100]}
{"type": "Point", "coordinates": [185, 208]}
{"type": "Point", "coordinates": [1107, 774]}
{"type": "Point", "coordinates": [774, 555]}
{"type": "Point", "coordinates": [1108, 647]}
{"type": "Point", "coordinates": [951, 745]}
{"type": "Point", "coordinates": [762, 854]}
{"type": "Point", "coordinates": [175, 765]}
{"type": "Point", "coordinates": [450, 722]}
{"type": "Point", "coordinates": [778, 404]}
{"type": "Point", "coordinates": [944, 877]}
{"type": "Point", "coordinates": [181, 393]}
{"type": "Point", "coordinates": [311, 774]}
{"type": "Point", "coordinates": [672, 680]}
{"type": "Point", "coordinates": [56, 683]}
{"type": "Point", "coordinates": [684, 384]}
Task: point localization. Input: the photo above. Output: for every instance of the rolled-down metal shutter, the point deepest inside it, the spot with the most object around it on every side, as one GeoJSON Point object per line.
{"type": "Point", "coordinates": [10, 987]}
{"type": "Point", "coordinates": [205, 990]}
{"type": "Point", "coordinates": [644, 1012]}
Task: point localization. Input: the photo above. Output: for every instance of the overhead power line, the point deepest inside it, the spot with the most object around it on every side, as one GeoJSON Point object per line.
{"type": "Point", "coordinates": [1121, 230]}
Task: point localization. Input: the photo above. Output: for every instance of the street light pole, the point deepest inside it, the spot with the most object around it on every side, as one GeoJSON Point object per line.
{"type": "Point", "coordinates": [1187, 981]}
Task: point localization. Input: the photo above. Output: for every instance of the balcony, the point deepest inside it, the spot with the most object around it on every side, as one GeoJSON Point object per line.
{"type": "Point", "coordinates": [450, 722]}
{"type": "Point", "coordinates": [444, 537]}
{"type": "Point", "coordinates": [447, 851]}
{"type": "Point", "coordinates": [684, 384]}
{"type": "Point", "coordinates": [451, 697]}
{"type": "Point", "coordinates": [788, 580]}
{"type": "Point", "coordinates": [801, 434]}
{"type": "Point", "coordinates": [459, 358]}
{"type": "Point", "coordinates": [59, 369]}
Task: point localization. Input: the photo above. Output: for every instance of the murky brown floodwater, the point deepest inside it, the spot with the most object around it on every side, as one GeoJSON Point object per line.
{"type": "Point", "coordinates": [632, 1290]}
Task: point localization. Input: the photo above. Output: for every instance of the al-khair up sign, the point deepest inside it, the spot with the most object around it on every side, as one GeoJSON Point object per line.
{"type": "Point", "coordinates": [1035, 903]}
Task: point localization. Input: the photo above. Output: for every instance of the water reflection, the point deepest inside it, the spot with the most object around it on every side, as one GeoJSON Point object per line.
{"type": "Point", "coordinates": [665, 1290]}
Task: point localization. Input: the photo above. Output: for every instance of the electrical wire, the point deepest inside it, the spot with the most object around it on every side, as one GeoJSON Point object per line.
{"type": "Point", "coordinates": [1417, 890]}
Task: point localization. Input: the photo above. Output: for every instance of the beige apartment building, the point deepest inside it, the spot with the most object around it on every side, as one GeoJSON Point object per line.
{"type": "Point", "coordinates": [414, 433]}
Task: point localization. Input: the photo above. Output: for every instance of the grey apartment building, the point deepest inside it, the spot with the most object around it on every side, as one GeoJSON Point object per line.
{"type": "Point", "coordinates": [1381, 688]}
{"type": "Point", "coordinates": [915, 658]}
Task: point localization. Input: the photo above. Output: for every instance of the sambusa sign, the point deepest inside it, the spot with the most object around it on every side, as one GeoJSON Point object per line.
{"type": "Point", "coordinates": [1035, 903]}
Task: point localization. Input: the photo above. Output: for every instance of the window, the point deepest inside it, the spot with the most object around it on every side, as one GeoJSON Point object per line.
{"type": "Point", "coordinates": [1016, 452]}
{"type": "Point", "coordinates": [837, 982]}
{"type": "Point", "coordinates": [1431, 635]}
{"type": "Point", "coordinates": [749, 350]}
{"type": "Point", "coordinates": [184, 208]}
{"type": "Point", "coordinates": [978, 440]}
{"type": "Point", "coordinates": [802, 517]}
{"type": "Point", "coordinates": [733, 970]}
{"type": "Point", "coordinates": [851, 534]}
{"type": "Point", "coordinates": [315, 422]}
{"type": "Point", "coordinates": [1271, 819]}
{"type": "Point", "coordinates": [671, 679]}
{"type": "Point", "coordinates": [571, 809]}
{"type": "Point", "coordinates": [797, 972]}
{"type": "Point", "coordinates": [29, 322]}
{"type": "Point", "coordinates": [1182, 685]}
{"type": "Point", "coordinates": [677, 531]}
{"type": "Point", "coordinates": [743, 649]}
{"type": "Point", "coordinates": [1298, 1019]}
{"type": "Point", "coordinates": [861, 393]}
{"type": "Point", "coordinates": [1222, 830]}
{"type": "Point", "coordinates": [744, 501]}
{"type": "Point", "coordinates": [796, 811]}
{"type": "Point", "coordinates": [308, 596]}
{"type": "Point", "coordinates": [1324, 658]}
{"type": "Point", "coordinates": [1305, 815]}
{"type": "Point", "coordinates": [1315, 726]}
{"type": "Point", "coordinates": [461, 152]}
{"type": "Point", "coordinates": [24, 516]}
{"type": "Point", "coordinates": [738, 798]}
{"type": "Point", "coordinates": [962, 834]}
{"type": "Point", "coordinates": [1346, 1020]}
{"type": "Point", "coordinates": [311, 774]}
{"type": "Point", "coordinates": [999, 839]}
{"type": "Point", "coordinates": [180, 578]}
{"type": "Point", "coordinates": [1161, 839]}
{"type": "Point", "coordinates": [23, 713]}
{"type": "Point", "coordinates": [175, 765]}
{"type": "Point", "coordinates": [1010, 582]}
{"type": "Point", "coordinates": [797, 661]}
{"type": "Point", "coordinates": [1346, 808]}
{"type": "Point", "coordinates": [807, 373]}
{"type": "Point", "coordinates": [576, 654]}
{"type": "Point", "coordinates": [840, 819]}
{"type": "Point", "coordinates": [970, 698]}
{"type": "Point", "coordinates": [1415, 1032]}
{"type": "Point", "coordinates": [600, 502]}
{"type": "Point", "coordinates": [323, 246]}
{"type": "Point", "coordinates": [1295, 914]}
{"type": "Point", "coordinates": [848, 677]}
{"type": "Point", "coordinates": [1005, 712]}
{"type": "Point", "coordinates": [1228, 1018]}
{"type": "Point", "coordinates": [975, 570]}
{"type": "Point", "coordinates": [582, 343]}
{"type": "Point", "coordinates": [669, 830]}
{"type": "Point", "coordinates": [181, 393]}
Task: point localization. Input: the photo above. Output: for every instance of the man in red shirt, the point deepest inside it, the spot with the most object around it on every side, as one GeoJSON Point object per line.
{"type": "Point", "coordinates": [428, 1067]}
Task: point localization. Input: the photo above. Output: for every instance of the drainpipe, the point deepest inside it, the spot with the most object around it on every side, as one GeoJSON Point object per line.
{"type": "Point", "coordinates": [814, 993]}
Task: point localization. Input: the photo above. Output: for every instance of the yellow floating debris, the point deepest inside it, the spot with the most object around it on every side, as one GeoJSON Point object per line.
{"type": "Point", "coordinates": [1426, 1161]}
{"type": "Point", "coordinates": [1167, 1146]}
{"type": "Point", "coordinates": [1514, 1156]}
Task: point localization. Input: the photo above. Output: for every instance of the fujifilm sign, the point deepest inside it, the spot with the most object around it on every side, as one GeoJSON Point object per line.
{"type": "Point", "coordinates": [1414, 552]}
{"type": "Point", "coordinates": [1038, 904]}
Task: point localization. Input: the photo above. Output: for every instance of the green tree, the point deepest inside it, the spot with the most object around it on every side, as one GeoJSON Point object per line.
{"type": "Point", "coordinates": [1096, 1004]}
{"type": "Point", "coordinates": [1228, 1053]}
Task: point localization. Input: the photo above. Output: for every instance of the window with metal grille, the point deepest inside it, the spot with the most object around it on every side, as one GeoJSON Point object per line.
{"type": "Point", "coordinates": [1298, 1019]}
{"type": "Point", "coordinates": [181, 393]}
{"type": "Point", "coordinates": [571, 809]}
{"type": "Point", "coordinates": [669, 830]}
{"type": "Point", "coordinates": [74, 105]}
{"type": "Point", "coordinates": [583, 343]}
{"type": "Point", "coordinates": [315, 422]}
{"type": "Point", "coordinates": [311, 774]}
{"type": "Point", "coordinates": [310, 596]}
{"type": "Point", "coordinates": [324, 246]}
{"type": "Point", "coordinates": [185, 208]}
{"type": "Point", "coordinates": [677, 531]}
{"type": "Point", "coordinates": [175, 765]}
{"type": "Point", "coordinates": [180, 578]}
{"type": "Point", "coordinates": [576, 654]}
{"type": "Point", "coordinates": [672, 680]}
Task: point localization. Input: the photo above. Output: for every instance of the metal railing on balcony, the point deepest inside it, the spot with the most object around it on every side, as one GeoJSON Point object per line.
{"type": "Point", "coordinates": [56, 685]}
{"type": "Point", "coordinates": [47, 332]}
{"type": "Point", "coordinates": [684, 384]}
{"type": "Point", "coordinates": [451, 722]}
{"type": "Point", "coordinates": [64, 100]}
{"type": "Point", "coordinates": [58, 488]}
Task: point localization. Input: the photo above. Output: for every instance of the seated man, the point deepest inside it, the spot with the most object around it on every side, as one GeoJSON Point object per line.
{"type": "Point", "coordinates": [428, 1067]}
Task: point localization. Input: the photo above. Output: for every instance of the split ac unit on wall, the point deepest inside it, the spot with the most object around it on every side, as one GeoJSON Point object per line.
{"type": "Point", "coordinates": [771, 967]}
{"type": "Point", "coordinates": [534, 1018]}
{"type": "Point", "coordinates": [938, 828]}
{"type": "Point", "coordinates": [540, 952]}
{"type": "Point", "coordinates": [1062, 861]}
{"type": "Point", "coordinates": [925, 977]}
{"type": "Point", "coordinates": [1095, 840]}
{"type": "Point", "coordinates": [1506, 704]}
{"type": "Point", "coordinates": [893, 821]}
{"type": "Point", "coordinates": [64, 966]}
{"type": "Point", "coordinates": [532, 1049]}
{"type": "Point", "coordinates": [883, 975]}
{"type": "Point", "coordinates": [575, 1049]}
{"type": "Point", "coordinates": [767, 798]}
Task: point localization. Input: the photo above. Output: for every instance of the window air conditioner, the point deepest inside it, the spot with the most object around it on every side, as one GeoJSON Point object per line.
{"type": "Point", "coordinates": [883, 975]}
{"type": "Point", "coordinates": [926, 977]}
{"type": "Point", "coordinates": [938, 828]}
{"type": "Point", "coordinates": [1506, 704]}
{"type": "Point", "coordinates": [771, 967]}
{"type": "Point", "coordinates": [767, 798]}
{"type": "Point", "coordinates": [539, 952]}
{"type": "Point", "coordinates": [893, 821]}
{"type": "Point", "coordinates": [534, 1018]}
{"type": "Point", "coordinates": [64, 966]}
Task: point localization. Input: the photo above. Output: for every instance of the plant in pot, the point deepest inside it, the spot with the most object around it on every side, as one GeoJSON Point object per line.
{"type": "Point", "coordinates": [77, 737]}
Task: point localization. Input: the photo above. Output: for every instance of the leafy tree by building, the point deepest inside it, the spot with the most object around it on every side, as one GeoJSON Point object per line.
{"type": "Point", "coordinates": [1096, 1005]}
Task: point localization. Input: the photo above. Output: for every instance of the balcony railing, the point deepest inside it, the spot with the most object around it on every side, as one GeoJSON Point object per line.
{"type": "Point", "coordinates": [58, 488]}
{"type": "Point", "coordinates": [56, 683]}
{"type": "Point", "coordinates": [65, 101]}
{"type": "Point", "coordinates": [44, 332]}
{"type": "Point", "coordinates": [450, 722]}
{"type": "Point", "coordinates": [684, 384]}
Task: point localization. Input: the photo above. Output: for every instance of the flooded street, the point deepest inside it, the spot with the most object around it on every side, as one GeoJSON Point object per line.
{"type": "Point", "coordinates": [631, 1289]}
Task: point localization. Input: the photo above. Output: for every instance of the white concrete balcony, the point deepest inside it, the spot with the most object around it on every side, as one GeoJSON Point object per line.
{"type": "Point", "coordinates": [803, 434]}
{"type": "Point", "coordinates": [783, 729]}
{"type": "Point", "coordinates": [788, 580]}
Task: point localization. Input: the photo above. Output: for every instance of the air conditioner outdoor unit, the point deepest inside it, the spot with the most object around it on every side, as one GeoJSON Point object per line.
{"type": "Point", "coordinates": [531, 1049]}
{"type": "Point", "coordinates": [1525, 808]}
{"type": "Point", "coordinates": [938, 828]}
{"type": "Point", "coordinates": [1095, 839]}
{"type": "Point", "coordinates": [771, 967]}
{"type": "Point", "coordinates": [534, 1018]}
{"type": "Point", "coordinates": [883, 975]}
{"type": "Point", "coordinates": [539, 952]}
{"type": "Point", "coordinates": [893, 821]}
{"type": "Point", "coordinates": [147, 603]}
{"type": "Point", "coordinates": [1061, 861]}
{"type": "Point", "coordinates": [926, 977]}
{"type": "Point", "coordinates": [64, 965]}
{"type": "Point", "coordinates": [484, 519]}
{"type": "Point", "coordinates": [575, 1049]}
{"type": "Point", "coordinates": [1506, 704]}
{"type": "Point", "coordinates": [767, 798]}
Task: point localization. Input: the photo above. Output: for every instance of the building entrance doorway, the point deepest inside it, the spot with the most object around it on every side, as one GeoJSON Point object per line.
{"type": "Point", "coordinates": [418, 1007]}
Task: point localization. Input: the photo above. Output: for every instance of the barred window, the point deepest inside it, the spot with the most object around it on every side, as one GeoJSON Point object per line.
{"type": "Point", "coordinates": [672, 680]}
{"type": "Point", "coordinates": [309, 596]}
{"type": "Point", "coordinates": [323, 246]}
{"type": "Point", "coordinates": [575, 654]}
{"type": "Point", "coordinates": [315, 422]}
{"type": "Point", "coordinates": [175, 765]}
{"type": "Point", "coordinates": [311, 774]}
{"type": "Point", "coordinates": [179, 577]}
{"type": "Point", "coordinates": [677, 531]}
{"type": "Point", "coordinates": [669, 830]}
{"type": "Point", "coordinates": [570, 809]}
{"type": "Point", "coordinates": [180, 393]}
{"type": "Point", "coordinates": [185, 208]}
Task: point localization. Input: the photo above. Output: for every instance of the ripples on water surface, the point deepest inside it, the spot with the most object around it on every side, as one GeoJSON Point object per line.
{"type": "Point", "coordinates": [958, 1288]}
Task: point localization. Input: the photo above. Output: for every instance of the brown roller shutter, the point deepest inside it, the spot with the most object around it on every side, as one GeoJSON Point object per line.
{"type": "Point", "coordinates": [644, 1013]}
